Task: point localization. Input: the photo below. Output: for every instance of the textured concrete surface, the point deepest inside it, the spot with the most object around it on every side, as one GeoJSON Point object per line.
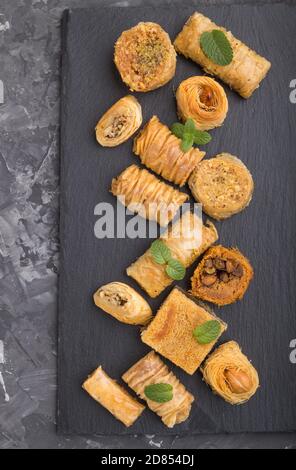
{"type": "Point", "coordinates": [29, 250]}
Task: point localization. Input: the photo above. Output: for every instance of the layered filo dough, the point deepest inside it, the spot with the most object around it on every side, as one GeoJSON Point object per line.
{"type": "Point", "coordinates": [119, 122]}
{"type": "Point", "coordinates": [160, 150]}
{"type": "Point", "coordinates": [171, 331]}
{"type": "Point", "coordinates": [202, 99]}
{"type": "Point", "coordinates": [143, 193]}
{"type": "Point", "coordinates": [187, 239]}
{"type": "Point", "coordinates": [246, 70]}
{"type": "Point", "coordinates": [151, 370]}
{"type": "Point", "coordinates": [145, 57]}
{"type": "Point", "coordinates": [230, 374]}
{"type": "Point", "coordinates": [111, 396]}
{"type": "Point", "coordinates": [223, 185]}
{"type": "Point", "coordinates": [123, 303]}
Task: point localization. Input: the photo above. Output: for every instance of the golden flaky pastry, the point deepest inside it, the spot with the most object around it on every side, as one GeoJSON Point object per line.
{"type": "Point", "coordinates": [145, 57]}
{"type": "Point", "coordinates": [123, 302]}
{"type": "Point", "coordinates": [120, 122]}
{"type": "Point", "coordinates": [222, 276]}
{"type": "Point", "coordinates": [230, 374]}
{"type": "Point", "coordinates": [144, 194]}
{"type": "Point", "coordinates": [151, 370]}
{"type": "Point", "coordinates": [161, 151]}
{"type": "Point", "coordinates": [202, 99]}
{"type": "Point", "coordinates": [223, 185]}
{"type": "Point", "coordinates": [187, 239]}
{"type": "Point", "coordinates": [246, 69]}
{"type": "Point", "coordinates": [171, 331]}
{"type": "Point", "coordinates": [113, 397]}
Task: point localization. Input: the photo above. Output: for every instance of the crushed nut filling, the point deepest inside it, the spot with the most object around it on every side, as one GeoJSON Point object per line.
{"type": "Point", "coordinates": [219, 269]}
{"type": "Point", "coordinates": [117, 126]}
{"type": "Point", "coordinates": [113, 298]}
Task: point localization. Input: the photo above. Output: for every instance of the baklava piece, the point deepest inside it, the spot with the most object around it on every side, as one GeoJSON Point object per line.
{"type": "Point", "coordinates": [223, 185]}
{"type": "Point", "coordinates": [160, 150]}
{"type": "Point", "coordinates": [151, 370]}
{"type": "Point", "coordinates": [171, 332]}
{"type": "Point", "coordinates": [202, 99]}
{"type": "Point", "coordinates": [123, 303]}
{"type": "Point", "coordinates": [120, 122]}
{"type": "Point", "coordinates": [246, 70]}
{"type": "Point", "coordinates": [222, 277]}
{"type": "Point", "coordinates": [143, 193]}
{"type": "Point", "coordinates": [230, 374]}
{"type": "Point", "coordinates": [186, 239]}
{"type": "Point", "coordinates": [145, 57]}
{"type": "Point", "coordinates": [113, 397]}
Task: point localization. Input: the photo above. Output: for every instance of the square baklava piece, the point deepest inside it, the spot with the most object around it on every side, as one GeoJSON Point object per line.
{"type": "Point", "coordinates": [171, 333]}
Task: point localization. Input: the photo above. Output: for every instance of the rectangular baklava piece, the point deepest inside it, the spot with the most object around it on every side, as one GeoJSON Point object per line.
{"type": "Point", "coordinates": [111, 396]}
{"type": "Point", "coordinates": [171, 331]}
{"type": "Point", "coordinates": [151, 370]}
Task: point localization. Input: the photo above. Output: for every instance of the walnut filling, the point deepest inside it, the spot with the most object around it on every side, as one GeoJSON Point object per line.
{"type": "Point", "coordinates": [113, 298]}
{"type": "Point", "coordinates": [220, 269]}
{"type": "Point", "coordinates": [116, 127]}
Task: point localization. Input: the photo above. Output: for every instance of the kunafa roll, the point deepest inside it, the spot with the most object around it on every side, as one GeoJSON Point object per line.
{"type": "Point", "coordinates": [247, 68]}
{"type": "Point", "coordinates": [143, 193]}
{"type": "Point", "coordinates": [202, 99]}
{"type": "Point", "coordinates": [160, 150]}
{"type": "Point", "coordinates": [230, 374]}
{"type": "Point", "coordinates": [145, 57]}
{"type": "Point", "coordinates": [151, 370]}
{"type": "Point", "coordinates": [186, 239]}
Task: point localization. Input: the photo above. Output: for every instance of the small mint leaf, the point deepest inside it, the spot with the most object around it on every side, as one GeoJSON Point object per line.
{"type": "Point", "coordinates": [202, 137]}
{"type": "Point", "coordinates": [161, 393]}
{"type": "Point", "coordinates": [216, 47]}
{"type": "Point", "coordinates": [207, 332]}
{"type": "Point", "coordinates": [187, 142]}
{"type": "Point", "coordinates": [177, 129]}
{"type": "Point", "coordinates": [160, 252]}
{"type": "Point", "coordinates": [175, 269]}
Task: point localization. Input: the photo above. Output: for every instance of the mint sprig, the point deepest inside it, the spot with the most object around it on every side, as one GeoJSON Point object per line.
{"type": "Point", "coordinates": [161, 393]}
{"type": "Point", "coordinates": [189, 135]}
{"type": "Point", "coordinates": [162, 255]}
{"type": "Point", "coordinates": [216, 47]}
{"type": "Point", "coordinates": [207, 331]}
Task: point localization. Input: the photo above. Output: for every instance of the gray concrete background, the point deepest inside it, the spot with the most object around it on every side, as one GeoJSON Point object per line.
{"type": "Point", "coordinates": [29, 250]}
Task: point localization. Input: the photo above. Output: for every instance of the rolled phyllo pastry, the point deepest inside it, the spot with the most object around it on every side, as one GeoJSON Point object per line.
{"type": "Point", "coordinates": [151, 370]}
{"type": "Point", "coordinates": [120, 122]}
{"type": "Point", "coordinates": [160, 150]}
{"type": "Point", "coordinates": [223, 185]}
{"type": "Point", "coordinates": [145, 57]}
{"type": "Point", "coordinates": [171, 332]}
{"type": "Point", "coordinates": [143, 193]}
{"type": "Point", "coordinates": [123, 303]}
{"type": "Point", "coordinates": [222, 276]}
{"type": "Point", "coordinates": [202, 99]}
{"type": "Point", "coordinates": [186, 239]}
{"type": "Point", "coordinates": [113, 397]}
{"type": "Point", "coordinates": [247, 68]}
{"type": "Point", "coordinates": [230, 374]}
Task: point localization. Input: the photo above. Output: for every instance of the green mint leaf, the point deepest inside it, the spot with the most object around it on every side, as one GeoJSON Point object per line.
{"type": "Point", "coordinates": [216, 47]}
{"type": "Point", "coordinates": [187, 142]}
{"type": "Point", "coordinates": [177, 129]}
{"type": "Point", "coordinates": [160, 252]}
{"type": "Point", "coordinates": [207, 332]}
{"type": "Point", "coordinates": [202, 137]}
{"type": "Point", "coordinates": [175, 269]}
{"type": "Point", "coordinates": [189, 126]}
{"type": "Point", "coordinates": [161, 393]}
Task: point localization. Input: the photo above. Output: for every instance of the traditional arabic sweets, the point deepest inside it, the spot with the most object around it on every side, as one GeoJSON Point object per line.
{"type": "Point", "coordinates": [171, 331]}
{"type": "Point", "coordinates": [160, 150]}
{"type": "Point", "coordinates": [124, 303]}
{"type": "Point", "coordinates": [145, 57]}
{"type": "Point", "coordinates": [223, 185]}
{"type": "Point", "coordinates": [202, 99]}
{"type": "Point", "coordinates": [222, 276]}
{"type": "Point", "coordinates": [144, 194]}
{"type": "Point", "coordinates": [246, 70]}
{"type": "Point", "coordinates": [187, 239]}
{"type": "Point", "coordinates": [120, 122]}
{"type": "Point", "coordinates": [113, 397]}
{"type": "Point", "coordinates": [230, 374]}
{"type": "Point", "coordinates": [151, 370]}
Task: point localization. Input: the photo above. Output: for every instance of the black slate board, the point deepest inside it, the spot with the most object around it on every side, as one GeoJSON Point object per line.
{"type": "Point", "coordinates": [261, 131]}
